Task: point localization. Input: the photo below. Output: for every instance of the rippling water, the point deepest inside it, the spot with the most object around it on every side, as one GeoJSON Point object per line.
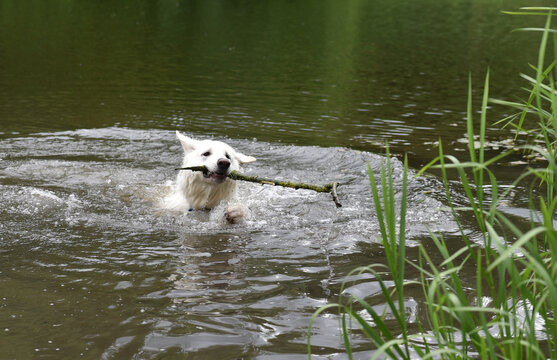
{"type": "Point", "coordinates": [89, 256]}
{"type": "Point", "coordinates": [318, 72]}
{"type": "Point", "coordinates": [91, 266]}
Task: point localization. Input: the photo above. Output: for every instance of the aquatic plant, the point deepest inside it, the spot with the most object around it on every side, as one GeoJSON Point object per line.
{"type": "Point", "coordinates": [511, 311]}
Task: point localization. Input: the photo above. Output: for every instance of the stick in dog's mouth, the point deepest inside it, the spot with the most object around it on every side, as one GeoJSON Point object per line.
{"type": "Point", "coordinates": [195, 168]}
{"type": "Point", "coordinates": [215, 175]}
{"type": "Point", "coordinates": [218, 177]}
{"type": "Point", "coordinates": [329, 188]}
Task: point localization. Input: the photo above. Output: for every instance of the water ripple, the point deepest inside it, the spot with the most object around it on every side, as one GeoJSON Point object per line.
{"type": "Point", "coordinates": [82, 234]}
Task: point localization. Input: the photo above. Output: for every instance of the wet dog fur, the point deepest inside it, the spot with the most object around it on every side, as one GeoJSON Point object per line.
{"type": "Point", "coordinates": [195, 190]}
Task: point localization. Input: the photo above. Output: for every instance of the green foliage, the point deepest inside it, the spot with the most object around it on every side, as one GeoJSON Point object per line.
{"type": "Point", "coordinates": [510, 313]}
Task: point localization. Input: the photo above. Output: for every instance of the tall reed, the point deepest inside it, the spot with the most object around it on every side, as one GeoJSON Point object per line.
{"type": "Point", "coordinates": [510, 313]}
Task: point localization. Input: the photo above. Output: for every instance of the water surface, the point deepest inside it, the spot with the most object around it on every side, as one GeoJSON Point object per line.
{"type": "Point", "coordinates": [92, 267]}
{"type": "Point", "coordinates": [334, 73]}
{"type": "Point", "coordinates": [85, 240]}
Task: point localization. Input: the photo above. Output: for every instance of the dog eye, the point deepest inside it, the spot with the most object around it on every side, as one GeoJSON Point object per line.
{"type": "Point", "coordinates": [207, 153]}
{"type": "Point", "coordinates": [228, 156]}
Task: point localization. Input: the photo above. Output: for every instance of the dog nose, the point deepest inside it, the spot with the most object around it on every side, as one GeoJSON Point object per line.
{"type": "Point", "coordinates": [223, 163]}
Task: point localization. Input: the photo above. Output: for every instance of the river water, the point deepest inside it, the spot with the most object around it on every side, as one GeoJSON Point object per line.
{"type": "Point", "coordinates": [92, 266]}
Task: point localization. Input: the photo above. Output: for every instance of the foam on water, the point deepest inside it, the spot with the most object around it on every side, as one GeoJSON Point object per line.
{"type": "Point", "coordinates": [127, 172]}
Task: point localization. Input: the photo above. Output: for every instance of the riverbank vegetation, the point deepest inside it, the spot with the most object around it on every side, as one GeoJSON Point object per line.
{"type": "Point", "coordinates": [510, 310]}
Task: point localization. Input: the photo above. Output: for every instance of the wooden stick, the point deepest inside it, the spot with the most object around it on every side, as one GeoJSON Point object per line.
{"type": "Point", "coordinates": [235, 175]}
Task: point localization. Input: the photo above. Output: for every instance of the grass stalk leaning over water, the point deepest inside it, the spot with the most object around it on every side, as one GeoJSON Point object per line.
{"type": "Point", "coordinates": [393, 239]}
{"type": "Point", "coordinates": [510, 313]}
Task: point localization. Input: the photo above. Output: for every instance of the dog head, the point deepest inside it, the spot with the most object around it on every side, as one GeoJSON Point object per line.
{"type": "Point", "coordinates": [219, 158]}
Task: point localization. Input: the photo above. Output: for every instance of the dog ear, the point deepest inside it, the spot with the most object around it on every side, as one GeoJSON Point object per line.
{"type": "Point", "coordinates": [244, 159]}
{"type": "Point", "coordinates": [188, 143]}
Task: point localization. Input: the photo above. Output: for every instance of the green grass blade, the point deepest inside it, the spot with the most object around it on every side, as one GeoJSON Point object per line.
{"type": "Point", "coordinates": [470, 122]}
{"type": "Point", "coordinates": [515, 246]}
{"type": "Point", "coordinates": [314, 316]}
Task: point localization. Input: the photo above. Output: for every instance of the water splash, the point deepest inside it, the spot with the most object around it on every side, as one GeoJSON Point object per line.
{"type": "Point", "coordinates": [81, 208]}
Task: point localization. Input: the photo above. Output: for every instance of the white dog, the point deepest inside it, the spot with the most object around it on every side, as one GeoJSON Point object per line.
{"type": "Point", "coordinates": [204, 190]}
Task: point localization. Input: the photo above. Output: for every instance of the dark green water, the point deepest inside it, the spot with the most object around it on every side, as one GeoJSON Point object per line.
{"type": "Point", "coordinates": [330, 73]}
{"type": "Point", "coordinates": [90, 94]}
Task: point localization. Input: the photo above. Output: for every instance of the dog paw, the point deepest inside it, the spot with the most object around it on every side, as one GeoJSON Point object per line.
{"type": "Point", "coordinates": [235, 214]}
